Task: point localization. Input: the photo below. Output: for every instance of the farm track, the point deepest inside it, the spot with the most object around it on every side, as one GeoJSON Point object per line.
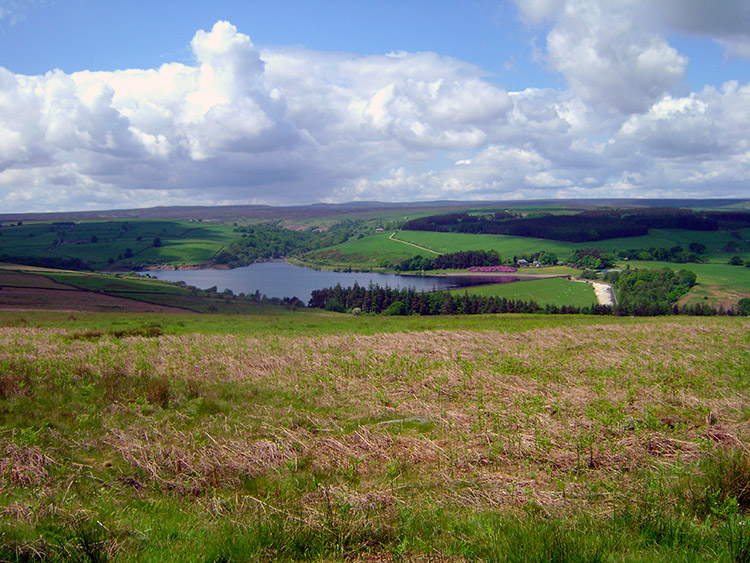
{"type": "Point", "coordinates": [414, 245]}
{"type": "Point", "coordinates": [605, 295]}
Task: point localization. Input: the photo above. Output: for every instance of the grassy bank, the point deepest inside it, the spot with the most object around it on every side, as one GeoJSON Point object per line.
{"type": "Point", "coordinates": [333, 438]}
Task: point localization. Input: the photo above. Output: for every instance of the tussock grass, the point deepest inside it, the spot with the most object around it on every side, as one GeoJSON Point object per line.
{"type": "Point", "coordinates": [599, 442]}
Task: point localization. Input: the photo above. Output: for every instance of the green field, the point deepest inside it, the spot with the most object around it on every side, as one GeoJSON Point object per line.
{"type": "Point", "coordinates": [103, 244]}
{"type": "Point", "coordinates": [732, 282]}
{"type": "Point", "coordinates": [716, 284]}
{"type": "Point", "coordinates": [115, 284]}
{"type": "Point", "coordinates": [667, 238]}
{"type": "Point", "coordinates": [547, 291]}
{"type": "Point", "coordinates": [509, 246]}
{"type": "Point", "coordinates": [495, 438]}
{"type": "Point", "coordinates": [109, 244]}
{"type": "Point", "coordinates": [737, 277]}
{"type": "Point", "coordinates": [370, 252]}
{"type": "Point", "coordinates": [377, 250]}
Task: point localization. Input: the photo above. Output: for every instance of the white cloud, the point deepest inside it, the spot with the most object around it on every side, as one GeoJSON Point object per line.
{"type": "Point", "coordinates": [290, 125]}
{"type": "Point", "coordinates": [607, 54]}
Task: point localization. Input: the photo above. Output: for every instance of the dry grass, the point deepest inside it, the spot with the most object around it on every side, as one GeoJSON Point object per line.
{"type": "Point", "coordinates": [624, 394]}
{"type": "Point", "coordinates": [23, 466]}
{"type": "Point", "coordinates": [560, 419]}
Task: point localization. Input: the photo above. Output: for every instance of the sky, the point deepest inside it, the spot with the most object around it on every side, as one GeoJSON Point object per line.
{"type": "Point", "coordinates": [112, 104]}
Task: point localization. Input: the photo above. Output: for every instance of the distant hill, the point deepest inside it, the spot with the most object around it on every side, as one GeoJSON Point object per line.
{"type": "Point", "coordinates": [228, 213]}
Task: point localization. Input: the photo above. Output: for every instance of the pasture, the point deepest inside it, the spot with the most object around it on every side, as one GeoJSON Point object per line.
{"type": "Point", "coordinates": [716, 284]}
{"type": "Point", "coordinates": [509, 246]}
{"type": "Point", "coordinates": [376, 250]}
{"type": "Point", "coordinates": [709, 274]}
{"type": "Point", "coordinates": [720, 283]}
{"type": "Point", "coordinates": [117, 244]}
{"type": "Point", "coordinates": [492, 438]}
{"type": "Point", "coordinates": [371, 252]}
{"type": "Point", "coordinates": [545, 291]}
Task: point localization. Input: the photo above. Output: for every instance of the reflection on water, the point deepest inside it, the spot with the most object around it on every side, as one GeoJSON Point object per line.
{"type": "Point", "coordinates": [279, 279]}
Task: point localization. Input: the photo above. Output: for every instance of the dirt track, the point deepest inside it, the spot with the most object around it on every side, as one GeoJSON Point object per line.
{"type": "Point", "coordinates": [604, 293]}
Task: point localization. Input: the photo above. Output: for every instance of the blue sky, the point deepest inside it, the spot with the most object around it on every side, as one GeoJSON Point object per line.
{"type": "Point", "coordinates": [101, 35]}
{"type": "Point", "coordinates": [109, 104]}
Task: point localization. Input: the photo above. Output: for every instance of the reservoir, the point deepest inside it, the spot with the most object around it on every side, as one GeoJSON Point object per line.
{"type": "Point", "coordinates": [279, 279]}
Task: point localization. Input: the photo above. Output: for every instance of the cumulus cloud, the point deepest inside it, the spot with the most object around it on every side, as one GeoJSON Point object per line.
{"type": "Point", "coordinates": [607, 54]}
{"type": "Point", "coordinates": [291, 125]}
{"type": "Point", "coordinates": [280, 126]}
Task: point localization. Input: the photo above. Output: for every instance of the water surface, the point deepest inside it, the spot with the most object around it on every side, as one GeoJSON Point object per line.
{"type": "Point", "coordinates": [279, 279]}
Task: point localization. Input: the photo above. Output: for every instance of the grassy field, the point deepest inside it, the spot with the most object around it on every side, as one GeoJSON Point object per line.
{"type": "Point", "coordinates": [667, 238]}
{"type": "Point", "coordinates": [375, 250]}
{"type": "Point", "coordinates": [548, 291]}
{"type": "Point", "coordinates": [370, 252]}
{"type": "Point", "coordinates": [513, 438]}
{"type": "Point", "coordinates": [717, 284]}
{"type": "Point", "coordinates": [709, 274]}
{"type": "Point", "coordinates": [721, 284]}
{"type": "Point", "coordinates": [97, 242]}
{"type": "Point", "coordinates": [509, 246]}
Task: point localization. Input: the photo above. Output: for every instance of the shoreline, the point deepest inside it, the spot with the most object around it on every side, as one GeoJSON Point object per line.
{"type": "Point", "coordinates": [174, 267]}
{"type": "Point", "coordinates": [520, 275]}
{"type": "Point", "coordinates": [464, 274]}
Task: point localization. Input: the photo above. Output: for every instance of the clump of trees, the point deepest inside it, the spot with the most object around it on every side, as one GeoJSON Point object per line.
{"type": "Point", "coordinates": [650, 292]}
{"type": "Point", "coordinates": [591, 258]}
{"type": "Point", "coordinates": [269, 241]}
{"type": "Point", "coordinates": [451, 261]}
{"type": "Point", "coordinates": [581, 227]}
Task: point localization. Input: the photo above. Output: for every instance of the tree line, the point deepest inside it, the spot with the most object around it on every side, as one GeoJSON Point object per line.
{"type": "Point", "coordinates": [375, 299]}
{"type": "Point", "coordinates": [639, 293]}
{"type": "Point", "coordinates": [586, 226]}
{"type": "Point", "coordinates": [677, 254]}
{"type": "Point", "coordinates": [57, 262]}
